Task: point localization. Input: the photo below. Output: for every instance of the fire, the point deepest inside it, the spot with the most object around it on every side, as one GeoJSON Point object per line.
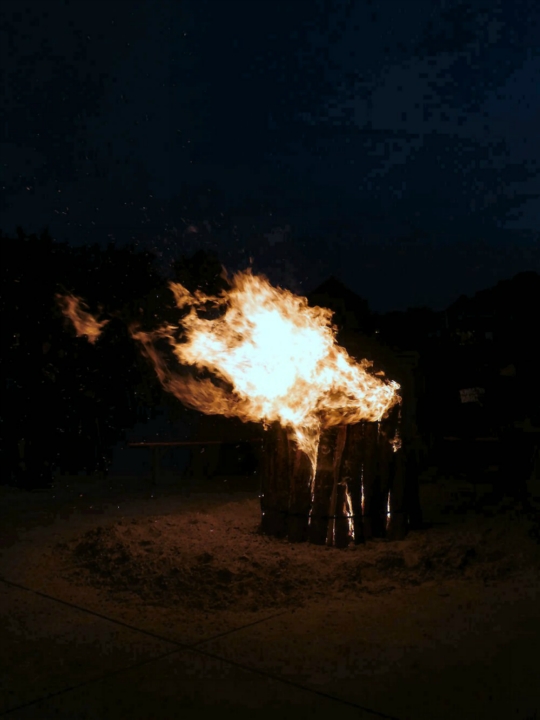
{"type": "Point", "coordinates": [349, 512]}
{"type": "Point", "coordinates": [84, 323]}
{"type": "Point", "coordinates": [270, 357]}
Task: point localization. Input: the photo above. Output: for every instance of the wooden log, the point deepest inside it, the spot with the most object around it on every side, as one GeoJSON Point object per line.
{"type": "Point", "coordinates": [397, 526]}
{"type": "Point", "coordinates": [275, 482]}
{"type": "Point", "coordinates": [322, 487]}
{"type": "Point", "coordinates": [357, 473]}
{"type": "Point", "coordinates": [385, 465]}
{"type": "Point", "coordinates": [300, 475]}
{"type": "Point", "coordinates": [351, 475]}
{"type": "Point", "coordinates": [369, 478]}
{"type": "Point", "coordinates": [388, 433]}
{"type": "Point", "coordinates": [343, 524]}
{"type": "Point", "coordinates": [379, 497]}
{"type": "Point", "coordinates": [405, 510]}
{"type": "Point", "coordinates": [339, 534]}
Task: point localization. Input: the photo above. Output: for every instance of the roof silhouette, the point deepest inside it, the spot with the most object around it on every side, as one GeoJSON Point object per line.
{"type": "Point", "coordinates": [335, 289]}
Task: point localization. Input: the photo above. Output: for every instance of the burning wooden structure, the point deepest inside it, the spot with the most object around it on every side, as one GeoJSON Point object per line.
{"type": "Point", "coordinates": [263, 355]}
{"type": "Point", "coordinates": [361, 488]}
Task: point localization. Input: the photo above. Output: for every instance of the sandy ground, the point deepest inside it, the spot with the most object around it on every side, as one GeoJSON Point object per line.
{"type": "Point", "coordinates": [211, 557]}
{"type": "Point", "coordinates": [195, 568]}
{"type": "Point", "coordinates": [206, 551]}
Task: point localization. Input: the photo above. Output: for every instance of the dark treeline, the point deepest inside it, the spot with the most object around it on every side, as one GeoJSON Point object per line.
{"type": "Point", "coordinates": [66, 403]}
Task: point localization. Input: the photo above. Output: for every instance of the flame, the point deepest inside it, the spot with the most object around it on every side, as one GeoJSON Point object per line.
{"type": "Point", "coordinates": [84, 323]}
{"type": "Point", "coordinates": [349, 513]}
{"type": "Point", "coordinates": [271, 357]}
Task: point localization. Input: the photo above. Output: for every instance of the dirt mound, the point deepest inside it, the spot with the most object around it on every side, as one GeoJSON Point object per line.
{"type": "Point", "coordinates": [218, 560]}
{"type": "Point", "coordinates": [165, 562]}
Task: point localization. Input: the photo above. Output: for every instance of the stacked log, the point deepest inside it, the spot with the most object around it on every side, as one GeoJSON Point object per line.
{"type": "Point", "coordinates": [275, 482]}
{"type": "Point", "coordinates": [352, 473]}
{"type": "Point", "coordinates": [340, 527]}
{"type": "Point", "coordinates": [328, 460]}
{"type": "Point", "coordinates": [299, 494]}
{"type": "Point", "coordinates": [360, 490]}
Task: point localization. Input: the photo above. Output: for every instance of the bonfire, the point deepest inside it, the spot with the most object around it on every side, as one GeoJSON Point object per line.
{"type": "Point", "coordinates": [262, 354]}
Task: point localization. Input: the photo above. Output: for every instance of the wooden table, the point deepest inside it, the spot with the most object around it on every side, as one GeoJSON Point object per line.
{"type": "Point", "coordinates": [157, 448]}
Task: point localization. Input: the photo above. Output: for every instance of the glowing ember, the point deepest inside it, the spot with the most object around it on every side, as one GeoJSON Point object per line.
{"type": "Point", "coordinates": [273, 358]}
{"type": "Point", "coordinates": [84, 323]}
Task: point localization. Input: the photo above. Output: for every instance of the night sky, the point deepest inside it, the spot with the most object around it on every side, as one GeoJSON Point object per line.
{"type": "Point", "coordinates": [394, 144]}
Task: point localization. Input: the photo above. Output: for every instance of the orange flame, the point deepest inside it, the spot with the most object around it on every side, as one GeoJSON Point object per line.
{"type": "Point", "coordinates": [85, 324]}
{"type": "Point", "coordinates": [277, 357]}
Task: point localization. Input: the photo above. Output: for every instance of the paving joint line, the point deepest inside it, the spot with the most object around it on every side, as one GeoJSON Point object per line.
{"type": "Point", "coordinates": [156, 636]}
{"type": "Point", "coordinates": [179, 648]}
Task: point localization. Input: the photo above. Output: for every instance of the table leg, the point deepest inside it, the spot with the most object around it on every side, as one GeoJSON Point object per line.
{"type": "Point", "coordinates": [155, 464]}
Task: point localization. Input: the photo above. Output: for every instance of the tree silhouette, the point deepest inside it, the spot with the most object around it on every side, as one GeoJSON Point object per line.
{"type": "Point", "coordinates": [67, 402]}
